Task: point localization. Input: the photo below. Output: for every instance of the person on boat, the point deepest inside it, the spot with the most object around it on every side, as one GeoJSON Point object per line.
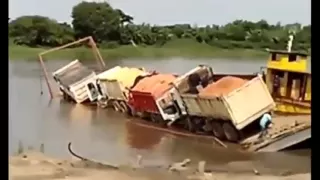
{"type": "Point", "coordinates": [265, 124]}
{"type": "Point", "coordinates": [276, 85]}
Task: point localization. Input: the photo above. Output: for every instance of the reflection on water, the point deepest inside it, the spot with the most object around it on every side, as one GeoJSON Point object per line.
{"type": "Point", "coordinates": [142, 138]}
{"type": "Point", "coordinates": [107, 135]}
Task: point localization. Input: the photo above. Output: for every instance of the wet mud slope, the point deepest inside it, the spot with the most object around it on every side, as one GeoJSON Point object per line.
{"type": "Point", "coordinates": [34, 165]}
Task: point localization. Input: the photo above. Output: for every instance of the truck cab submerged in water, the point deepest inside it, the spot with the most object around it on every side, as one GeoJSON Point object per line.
{"type": "Point", "coordinates": [73, 79]}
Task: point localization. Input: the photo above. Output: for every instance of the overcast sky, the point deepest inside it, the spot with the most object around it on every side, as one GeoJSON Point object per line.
{"type": "Point", "coordinates": [200, 12]}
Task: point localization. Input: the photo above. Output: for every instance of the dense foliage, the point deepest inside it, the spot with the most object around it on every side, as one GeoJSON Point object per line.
{"type": "Point", "coordinates": [111, 27]}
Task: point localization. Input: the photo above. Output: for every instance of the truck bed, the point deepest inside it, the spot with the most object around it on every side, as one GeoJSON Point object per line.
{"type": "Point", "coordinates": [72, 73]}
{"type": "Point", "coordinates": [143, 102]}
{"type": "Point", "coordinates": [116, 81]}
{"type": "Point", "coordinates": [242, 106]}
{"type": "Point", "coordinates": [113, 90]}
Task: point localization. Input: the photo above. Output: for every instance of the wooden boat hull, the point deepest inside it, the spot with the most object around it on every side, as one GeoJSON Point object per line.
{"type": "Point", "coordinates": [291, 108]}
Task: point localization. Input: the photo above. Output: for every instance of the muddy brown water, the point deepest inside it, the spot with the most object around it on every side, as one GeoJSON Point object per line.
{"type": "Point", "coordinates": [108, 136]}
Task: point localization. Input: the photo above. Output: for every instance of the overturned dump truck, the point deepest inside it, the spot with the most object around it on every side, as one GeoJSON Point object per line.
{"type": "Point", "coordinates": [73, 79]}
{"type": "Point", "coordinates": [228, 108]}
{"type": "Point", "coordinates": [152, 96]}
{"type": "Point", "coordinates": [185, 83]}
{"type": "Point", "coordinates": [113, 86]}
{"type": "Point", "coordinates": [143, 95]}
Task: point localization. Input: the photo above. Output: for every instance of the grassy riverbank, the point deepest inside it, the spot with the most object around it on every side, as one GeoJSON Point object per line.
{"type": "Point", "coordinates": [174, 49]}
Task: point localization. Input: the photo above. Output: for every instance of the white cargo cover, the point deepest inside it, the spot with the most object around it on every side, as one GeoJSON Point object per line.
{"type": "Point", "coordinates": [242, 106]}
{"type": "Point", "coordinates": [115, 82]}
{"type": "Point", "coordinates": [113, 90]}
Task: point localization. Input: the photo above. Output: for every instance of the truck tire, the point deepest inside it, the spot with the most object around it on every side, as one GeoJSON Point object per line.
{"type": "Point", "coordinates": [116, 106]}
{"type": "Point", "coordinates": [154, 118]}
{"type": "Point", "coordinates": [190, 125]}
{"type": "Point", "coordinates": [102, 104]}
{"type": "Point", "coordinates": [231, 132]}
{"type": "Point", "coordinates": [198, 124]}
{"type": "Point", "coordinates": [207, 127]}
{"type": "Point", "coordinates": [124, 107]}
{"type": "Point", "coordinates": [64, 96]}
{"type": "Point", "coordinates": [132, 112]}
{"type": "Point", "coordinates": [69, 98]}
{"type": "Point", "coordinates": [218, 130]}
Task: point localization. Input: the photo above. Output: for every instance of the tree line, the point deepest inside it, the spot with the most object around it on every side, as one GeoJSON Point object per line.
{"type": "Point", "coordinates": [112, 27]}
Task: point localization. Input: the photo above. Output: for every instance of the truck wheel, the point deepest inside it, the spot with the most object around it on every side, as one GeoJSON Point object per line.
{"type": "Point", "coordinates": [102, 104]}
{"type": "Point", "coordinates": [207, 127]}
{"type": "Point", "coordinates": [231, 132]}
{"type": "Point", "coordinates": [145, 116]}
{"type": "Point", "coordinates": [132, 112]}
{"type": "Point", "coordinates": [124, 107]}
{"type": "Point", "coordinates": [218, 130]}
{"type": "Point", "coordinates": [121, 107]}
{"type": "Point", "coordinates": [154, 118]}
{"type": "Point", "coordinates": [198, 124]}
{"type": "Point", "coordinates": [66, 96]}
{"type": "Point", "coordinates": [190, 125]}
{"type": "Point", "coordinates": [116, 106]}
{"type": "Point", "coordinates": [163, 123]}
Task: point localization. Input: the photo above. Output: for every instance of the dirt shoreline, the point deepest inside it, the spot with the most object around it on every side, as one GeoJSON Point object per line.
{"type": "Point", "coordinates": [34, 165]}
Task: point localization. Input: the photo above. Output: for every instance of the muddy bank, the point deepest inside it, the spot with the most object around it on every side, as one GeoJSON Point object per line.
{"type": "Point", "coordinates": [34, 165]}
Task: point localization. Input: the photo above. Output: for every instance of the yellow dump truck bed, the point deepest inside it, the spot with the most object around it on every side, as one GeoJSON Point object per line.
{"type": "Point", "coordinates": [116, 81]}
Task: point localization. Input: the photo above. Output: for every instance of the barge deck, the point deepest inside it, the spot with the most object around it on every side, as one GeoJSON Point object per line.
{"type": "Point", "coordinates": [286, 132]}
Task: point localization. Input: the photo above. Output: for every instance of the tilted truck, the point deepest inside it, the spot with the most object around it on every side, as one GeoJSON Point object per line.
{"type": "Point", "coordinates": [150, 97]}
{"type": "Point", "coordinates": [168, 108]}
{"type": "Point", "coordinates": [73, 80]}
{"type": "Point", "coordinates": [114, 84]}
{"type": "Point", "coordinates": [198, 76]}
{"type": "Point", "coordinates": [228, 116]}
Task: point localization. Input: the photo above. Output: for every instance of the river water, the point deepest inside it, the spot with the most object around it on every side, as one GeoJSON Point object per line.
{"type": "Point", "coordinates": [106, 135]}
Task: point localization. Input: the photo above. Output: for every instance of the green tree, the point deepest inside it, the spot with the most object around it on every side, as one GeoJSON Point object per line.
{"type": "Point", "coordinates": [112, 27]}
{"type": "Point", "coordinates": [98, 20]}
{"type": "Point", "coordinates": [39, 31]}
